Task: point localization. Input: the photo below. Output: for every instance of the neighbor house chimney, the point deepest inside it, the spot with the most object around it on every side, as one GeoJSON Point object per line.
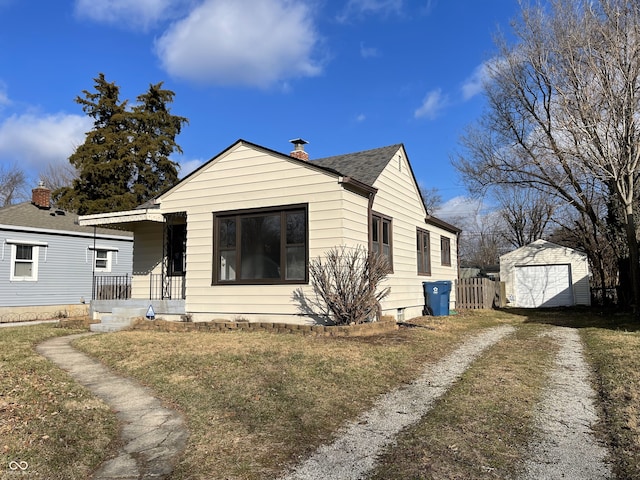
{"type": "Point", "coordinates": [41, 196]}
{"type": "Point", "coordinates": [298, 152]}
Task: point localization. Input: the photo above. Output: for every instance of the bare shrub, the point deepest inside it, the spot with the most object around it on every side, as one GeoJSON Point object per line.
{"type": "Point", "coordinates": [345, 283]}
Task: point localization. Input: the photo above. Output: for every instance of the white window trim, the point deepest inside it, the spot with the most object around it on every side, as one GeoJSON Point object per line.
{"type": "Point", "coordinates": [34, 259]}
{"type": "Point", "coordinates": [33, 243]}
{"type": "Point", "coordinates": [93, 257]}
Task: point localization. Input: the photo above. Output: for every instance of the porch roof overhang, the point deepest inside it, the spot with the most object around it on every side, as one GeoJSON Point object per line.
{"type": "Point", "coordinates": [122, 219]}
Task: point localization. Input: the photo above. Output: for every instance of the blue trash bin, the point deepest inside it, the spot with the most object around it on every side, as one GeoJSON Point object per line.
{"type": "Point", "coordinates": [436, 298]}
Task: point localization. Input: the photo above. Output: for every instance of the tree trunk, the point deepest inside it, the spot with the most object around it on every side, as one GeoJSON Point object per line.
{"type": "Point", "coordinates": [634, 254]}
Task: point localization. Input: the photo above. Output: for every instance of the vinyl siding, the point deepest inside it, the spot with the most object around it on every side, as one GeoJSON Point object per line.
{"type": "Point", "coordinates": [65, 268]}
{"type": "Point", "coordinates": [245, 178]}
{"type": "Point", "coordinates": [547, 253]}
{"type": "Point", "coordinates": [398, 198]}
{"type": "Point", "coordinates": [147, 257]}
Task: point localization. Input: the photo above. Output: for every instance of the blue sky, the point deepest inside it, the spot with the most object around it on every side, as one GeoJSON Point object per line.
{"type": "Point", "coordinates": [344, 75]}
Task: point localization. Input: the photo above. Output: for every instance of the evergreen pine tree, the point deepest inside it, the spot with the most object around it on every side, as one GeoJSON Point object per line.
{"type": "Point", "coordinates": [154, 140]}
{"type": "Point", "coordinates": [124, 160]}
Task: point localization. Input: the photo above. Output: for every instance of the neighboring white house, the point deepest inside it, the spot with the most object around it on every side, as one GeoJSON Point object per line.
{"type": "Point", "coordinates": [234, 238]}
{"type": "Point", "coordinates": [48, 262]}
{"type": "Point", "coordinates": [543, 274]}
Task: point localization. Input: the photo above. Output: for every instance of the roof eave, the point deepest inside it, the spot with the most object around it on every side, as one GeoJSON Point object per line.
{"type": "Point", "coordinates": [442, 224]}
{"type": "Point", "coordinates": [127, 216]}
{"type": "Point", "coordinates": [357, 186]}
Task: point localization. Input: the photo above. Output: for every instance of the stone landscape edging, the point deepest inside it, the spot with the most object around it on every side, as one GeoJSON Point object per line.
{"type": "Point", "coordinates": [387, 324]}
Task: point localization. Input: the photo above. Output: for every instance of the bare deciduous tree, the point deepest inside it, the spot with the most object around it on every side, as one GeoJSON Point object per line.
{"type": "Point", "coordinates": [563, 111]}
{"type": "Point", "coordinates": [345, 283]}
{"type": "Point", "coordinates": [482, 242]}
{"type": "Point", "coordinates": [432, 199]}
{"type": "Point", "coordinates": [59, 175]}
{"type": "Point", "coordinates": [13, 185]}
{"type": "Point", "coordinates": [526, 214]}
{"type": "Point", "coordinates": [576, 231]}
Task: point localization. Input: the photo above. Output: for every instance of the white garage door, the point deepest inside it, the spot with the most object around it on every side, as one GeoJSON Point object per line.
{"type": "Point", "coordinates": [543, 286]}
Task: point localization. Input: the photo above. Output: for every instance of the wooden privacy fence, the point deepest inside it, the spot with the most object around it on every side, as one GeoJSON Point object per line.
{"type": "Point", "coordinates": [478, 293]}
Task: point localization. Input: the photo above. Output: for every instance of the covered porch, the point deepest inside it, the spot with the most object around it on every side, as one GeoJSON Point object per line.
{"type": "Point", "coordinates": [159, 266]}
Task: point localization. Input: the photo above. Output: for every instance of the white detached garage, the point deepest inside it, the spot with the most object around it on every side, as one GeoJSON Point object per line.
{"type": "Point", "coordinates": [543, 274]}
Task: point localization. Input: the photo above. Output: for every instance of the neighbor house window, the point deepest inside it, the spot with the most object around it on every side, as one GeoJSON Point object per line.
{"type": "Point", "coordinates": [103, 260]}
{"type": "Point", "coordinates": [24, 262]}
{"type": "Point", "coordinates": [381, 236]}
{"type": "Point", "coordinates": [261, 246]}
{"type": "Point", "coordinates": [445, 251]}
{"type": "Point", "coordinates": [424, 252]}
{"type": "Point", "coordinates": [102, 257]}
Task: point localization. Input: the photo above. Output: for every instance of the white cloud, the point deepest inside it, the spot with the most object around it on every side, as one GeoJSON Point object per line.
{"type": "Point", "coordinates": [361, 117]}
{"type": "Point", "coordinates": [253, 42]}
{"type": "Point", "coordinates": [474, 85]}
{"type": "Point", "coordinates": [128, 13]}
{"type": "Point", "coordinates": [464, 212]}
{"type": "Point", "coordinates": [357, 8]}
{"type": "Point", "coordinates": [432, 104]}
{"type": "Point", "coordinates": [188, 166]}
{"type": "Point", "coordinates": [4, 98]}
{"type": "Point", "coordinates": [34, 141]}
{"type": "Point", "coordinates": [368, 52]}
{"type": "Point", "coordinates": [459, 208]}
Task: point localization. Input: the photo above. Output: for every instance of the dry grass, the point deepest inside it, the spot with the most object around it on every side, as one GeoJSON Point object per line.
{"type": "Point", "coordinates": [612, 343]}
{"type": "Point", "coordinates": [481, 427]}
{"type": "Point", "coordinates": [46, 420]}
{"type": "Point", "coordinates": [615, 355]}
{"type": "Point", "coordinates": [256, 402]}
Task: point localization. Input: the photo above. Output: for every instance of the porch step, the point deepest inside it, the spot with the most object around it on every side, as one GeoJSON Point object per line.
{"type": "Point", "coordinates": [119, 319]}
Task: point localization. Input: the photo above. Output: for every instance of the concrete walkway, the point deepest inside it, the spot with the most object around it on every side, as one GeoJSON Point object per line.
{"type": "Point", "coordinates": [26, 323]}
{"type": "Point", "coordinates": [152, 437]}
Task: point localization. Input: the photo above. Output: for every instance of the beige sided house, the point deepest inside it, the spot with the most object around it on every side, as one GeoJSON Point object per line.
{"type": "Point", "coordinates": [234, 238]}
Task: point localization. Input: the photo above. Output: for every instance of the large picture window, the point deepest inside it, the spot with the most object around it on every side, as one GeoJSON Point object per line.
{"type": "Point", "coordinates": [381, 237]}
{"type": "Point", "coordinates": [424, 252]}
{"type": "Point", "coordinates": [261, 246]}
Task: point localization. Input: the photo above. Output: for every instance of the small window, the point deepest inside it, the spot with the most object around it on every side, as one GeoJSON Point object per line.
{"type": "Point", "coordinates": [381, 237]}
{"type": "Point", "coordinates": [445, 251]}
{"type": "Point", "coordinates": [423, 252]}
{"type": "Point", "coordinates": [102, 260]}
{"type": "Point", "coordinates": [24, 263]}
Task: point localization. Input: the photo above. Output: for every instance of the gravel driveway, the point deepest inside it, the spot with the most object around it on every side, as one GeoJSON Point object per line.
{"type": "Point", "coordinates": [355, 450]}
{"type": "Point", "coordinates": [566, 447]}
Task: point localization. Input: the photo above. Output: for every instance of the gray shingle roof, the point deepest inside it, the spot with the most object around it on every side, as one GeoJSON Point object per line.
{"type": "Point", "coordinates": [364, 166]}
{"type": "Point", "coordinates": [28, 215]}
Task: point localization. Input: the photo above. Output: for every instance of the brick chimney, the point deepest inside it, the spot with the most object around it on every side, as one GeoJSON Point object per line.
{"type": "Point", "coordinates": [41, 196]}
{"type": "Point", "coordinates": [298, 151]}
